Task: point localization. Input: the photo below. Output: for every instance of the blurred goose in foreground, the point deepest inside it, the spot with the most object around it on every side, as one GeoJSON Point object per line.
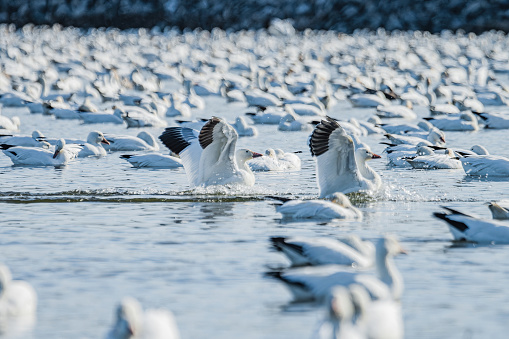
{"type": "Point", "coordinates": [316, 282]}
{"type": "Point", "coordinates": [32, 156]}
{"type": "Point", "coordinates": [17, 297]}
{"type": "Point", "coordinates": [324, 251]}
{"type": "Point", "coordinates": [209, 156]}
{"type": "Point", "coordinates": [132, 322]}
{"type": "Point", "coordinates": [468, 228]}
{"type": "Point", "coordinates": [339, 166]}
{"type": "Point", "coordinates": [337, 206]}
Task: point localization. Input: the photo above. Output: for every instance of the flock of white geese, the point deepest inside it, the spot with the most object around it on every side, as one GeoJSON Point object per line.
{"type": "Point", "coordinates": [104, 77]}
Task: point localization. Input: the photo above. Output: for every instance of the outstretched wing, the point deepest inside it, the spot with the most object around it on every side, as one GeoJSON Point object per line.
{"type": "Point", "coordinates": [335, 158]}
{"type": "Point", "coordinates": [184, 142]}
{"type": "Point", "coordinates": [218, 140]}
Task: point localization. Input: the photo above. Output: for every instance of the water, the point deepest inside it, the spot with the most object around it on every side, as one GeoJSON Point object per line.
{"type": "Point", "coordinates": [97, 230]}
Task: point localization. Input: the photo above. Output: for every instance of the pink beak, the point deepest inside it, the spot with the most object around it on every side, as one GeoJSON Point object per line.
{"type": "Point", "coordinates": [104, 141]}
{"type": "Point", "coordinates": [256, 155]}
{"type": "Point", "coordinates": [375, 156]}
{"type": "Point", "coordinates": [55, 154]}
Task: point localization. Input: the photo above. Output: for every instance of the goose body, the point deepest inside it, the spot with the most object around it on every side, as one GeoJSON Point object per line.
{"type": "Point", "coordinates": [209, 156]}
{"type": "Point", "coordinates": [485, 165]}
{"type": "Point", "coordinates": [144, 141]}
{"type": "Point", "coordinates": [102, 118]}
{"type": "Point", "coordinates": [17, 297]}
{"type": "Point", "coordinates": [340, 167]}
{"type": "Point", "coordinates": [93, 147]}
{"type": "Point", "coordinates": [495, 120]}
{"type": "Point", "coordinates": [465, 122]}
{"type": "Point", "coordinates": [152, 160]}
{"type": "Point", "coordinates": [436, 161]}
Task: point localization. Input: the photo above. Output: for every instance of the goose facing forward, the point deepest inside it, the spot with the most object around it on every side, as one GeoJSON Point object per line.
{"type": "Point", "coordinates": [340, 167]}
{"type": "Point", "coordinates": [209, 156]}
{"type": "Point", "coordinates": [35, 156]}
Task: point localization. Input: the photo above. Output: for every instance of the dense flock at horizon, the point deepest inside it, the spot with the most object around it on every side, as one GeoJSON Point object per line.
{"type": "Point", "coordinates": [143, 78]}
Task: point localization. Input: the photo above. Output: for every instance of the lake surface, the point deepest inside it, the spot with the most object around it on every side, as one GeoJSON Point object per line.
{"type": "Point", "coordinates": [97, 230]}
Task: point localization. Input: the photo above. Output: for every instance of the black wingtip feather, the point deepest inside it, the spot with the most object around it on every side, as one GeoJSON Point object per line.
{"type": "Point", "coordinates": [456, 224]}
{"type": "Point", "coordinates": [177, 138]}
{"type": "Point", "coordinates": [126, 156]}
{"type": "Point", "coordinates": [206, 136]}
{"type": "Point", "coordinates": [5, 146]}
{"type": "Point", "coordinates": [319, 141]}
{"type": "Point", "coordinates": [278, 198]}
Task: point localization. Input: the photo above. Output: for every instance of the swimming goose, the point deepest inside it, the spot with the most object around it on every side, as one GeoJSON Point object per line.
{"type": "Point", "coordinates": [340, 167]}
{"type": "Point", "coordinates": [269, 162]}
{"type": "Point", "coordinates": [324, 251]}
{"type": "Point", "coordinates": [10, 124]}
{"type": "Point", "coordinates": [337, 206]}
{"type": "Point", "coordinates": [93, 147]}
{"type": "Point", "coordinates": [287, 160]}
{"type": "Point", "coordinates": [36, 140]}
{"type": "Point", "coordinates": [435, 137]}
{"type": "Point", "coordinates": [243, 129]}
{"type": "Point", "coordinates": [430, 160]}
{"type": "Point", "coordinates": [102, 117]}
{"type": "Point", "coordinates": [485, 165]}
{"type": "Point", "coordinates": [316, 282]}
{"type": "Point", "coordinates": [468, 228]}
{"type": "Point", "coordinates": [465, 122]}
{"type": "Point", "coordinates": [494, 120]}
{"type": "Point", "coordinates": [444, 109]}
{"type": "Point", "coordinates": [209, 156]}
{"type": "Point", "coordinates": [17, 297]}
{"type": "Point", "coordinates": [291, 122]}
{"type": "Point", "coordinates": [268, 116]}
{"type": "Point", "coordinates": [499, 209]}
{"type": "Point", "coordinates": [144, 141]}
{"type": "Point", "coordinates": [131, 321]}
{"type": "Point", "coordinates": [396, 111]}
{"type": "Point", "coordinates": [33, 156]}
{"type": "Point", "coordinates": [152, 160]}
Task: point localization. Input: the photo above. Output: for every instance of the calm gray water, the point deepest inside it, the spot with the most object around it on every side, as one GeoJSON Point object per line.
{"type": "Point", "coordinates": [97, 230]}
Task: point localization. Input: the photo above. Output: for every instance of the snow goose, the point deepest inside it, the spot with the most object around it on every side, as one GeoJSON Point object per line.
{"type": "Point", "coordinates": [339, 322]}
{"type": "Point", "coordinates": [402, 129]}
{"type": "Point", "coordinates": [103, 118]}
{"type": "Point", "coordinates": [209, 156]}
{"type": "Point", "coordinates": [243, 129]}
{"type": "Point", "coordinates": [380, 319]}
{"type": "Point", "coordinates": [372, 126]}
{"type": "Point", "coordinates": [369, 100]}
{"type": "Point", "coordinates": [435, 137]}
{"type": "Point", "coordinates": [10, 124]}
{"type": "Point", "coordinates": [131, 321]}
{"type": "Point", "coordinates": [142, 118]}
{"type": "Point", "coordinates": [465, 122]}
{"type": "Point", "coordinates": [494, 120]}
{"type": "Point", "coordinates": [17, 297]}
{"type": "Point", "coordinates": [269, 162]}
{"type": "Point", "coordinates": [36, 140]}
{"type": "Point", "coordinates": [337, 206]}
{"type": "Point", "coordinates": [340, 167]}
{"type": "Point", "coordinates": [291, 123]}
{"type": "Point", "coordinates": [397, 155]}
{"type": "Point", "coordinates": [192, 99]}
{"type": "Point", "coordinates": [499, 209]}
{"type": "Point", "coordinates": [425, 160]}
{"type": "Point", "coordinates": [469, 104]}
{"type": "Point", "coordinates": [444, 109]}
{"type": "Point", "coordinates": [144, 141]}
{"type": "Point", "coordinates": [306, 109]}
{"type": "Point", "coordinates": [288, 161]}
{"type": "Point", "coordinates": [485, 164]}
{"type": "Point", "coordinates": [177, 108]}
{"type": "Point", "coordinates": [267, 117]}
{"type": "Point", "coordinates": [257, 97]}
{"type": "Point", "coordinates": [468, 228]}
{"type": "Point", "coordinates": [93, 147]}
{"type": "Point", "coordinates": [323, 251]}
{"type": "Point", "coordinates": [33, 156]}
{"type": "Point", "coordinates": [152, 160]}
{"type": "Point", "coordinates": [396, 111]}
{"type": "Point", "coordinates": [316, 282]}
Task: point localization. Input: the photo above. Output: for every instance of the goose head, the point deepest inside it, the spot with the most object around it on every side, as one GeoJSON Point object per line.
{"type": "Point", "coordinates": [128, 319]}
{"type": "Point", "coordinates": [389, 246]}
{"type": "Point", "coordinates": [436, 136]}
{"type": "Point", "coordinates": [365, 154]}
{"type": "Point", "coordinates": [97, 137]}
{"type": "Point", "coordinates": [497, 211]}
{"type": "Point", "coordinates": [59, 146]}
{"type": "Point", "coordinates": [480, 150]}
{"type": "Point", "coordinates": [244, 155]}
{"type": "Point", "coordinates": [270, 153]}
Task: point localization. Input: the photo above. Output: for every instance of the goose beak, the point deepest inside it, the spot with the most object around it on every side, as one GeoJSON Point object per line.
{"type": "Point", "coordinates": [375, 156]}
{"type": "Point", "coordinates": [442, 140]}
{"type": "Point", "coordinates": [403, 251]}
{"type": "Point", "coordinates": [104, 141]}
{"type": "Point", "coordinates": [256, 155]}
{"type": "Point", "coordinates": [55, 154]}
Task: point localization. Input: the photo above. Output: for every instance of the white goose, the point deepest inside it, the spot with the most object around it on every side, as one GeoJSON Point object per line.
{"type": "Point", "coordinates": [316, 282]}
{"type": "Point", "coordinates": [36, 140]}
{"type": "Point", "coordinates": [10, 124]}
{"type": "Point", "coordinates": [495, 120]}
{"type": "Point", "coordinates": [291, 122]}
{"type": "Point", "coordinates": [428, 159]}
{"type": "Point", "coordinates": [209, 156]}
{"type": "Point", "coordinates": [468, 228]}
{"type": "Point", "coordinates": [287, 160]}
{"type": "Point", "coordinates": [396, 111]}
{"type": "Point", "coordinates": [103, 118]}
{"type": "Point", "coordinates": [33, 156]}
{"type": "Point", "coordinates": [499, 209]}
{"type": "Point", "coordinates": [340, 167]}
{"type": "Point", "coordinates": [267, 117]}
{"type": "Point", "coordinates": [325, 251]}
{"type": "Point", "coordinates": [269, 162]}
{"type": "Point", "coordinates": [465, 122]}
{"type": "Point", "coordinates": [144, 141]}
{"type": "Point", "coordinates": [243, 129]}
{"type": "Point", "coordinates": [337, 206]}
{"type": "Point", "coordinates": [131, 321]}
{"type": "Point", "coordinates": [17, 297]}
{"type": "Point", "coordinates": [434, 138]}
{"type": "Point", "coordinates": [152, 160]}
{"type": "Point", "coordinates": [93, 147]}
{"type": "Point", "coordinates": [485, 165]}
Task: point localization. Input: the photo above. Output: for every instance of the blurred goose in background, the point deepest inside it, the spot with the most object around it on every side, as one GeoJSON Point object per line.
{"type": "Point", "coordinates": [243, 129]}
{"type": "Point", "coordinates": [494, 120]}
{"type": "Point", "coordinates": [427, 159]}
{"type": "Point", "coordinates": [144, 141]}
{"type": "Point", "coordinates": [396, 111]}
{"type": "Point", "coordinates": [36, 140]}
{"type": "Point", "coordinates": [465, 122]}
{"type": "Point", "coordinates": [152, 160]}
{"type": "Point", "coordinates": [9, 124]}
